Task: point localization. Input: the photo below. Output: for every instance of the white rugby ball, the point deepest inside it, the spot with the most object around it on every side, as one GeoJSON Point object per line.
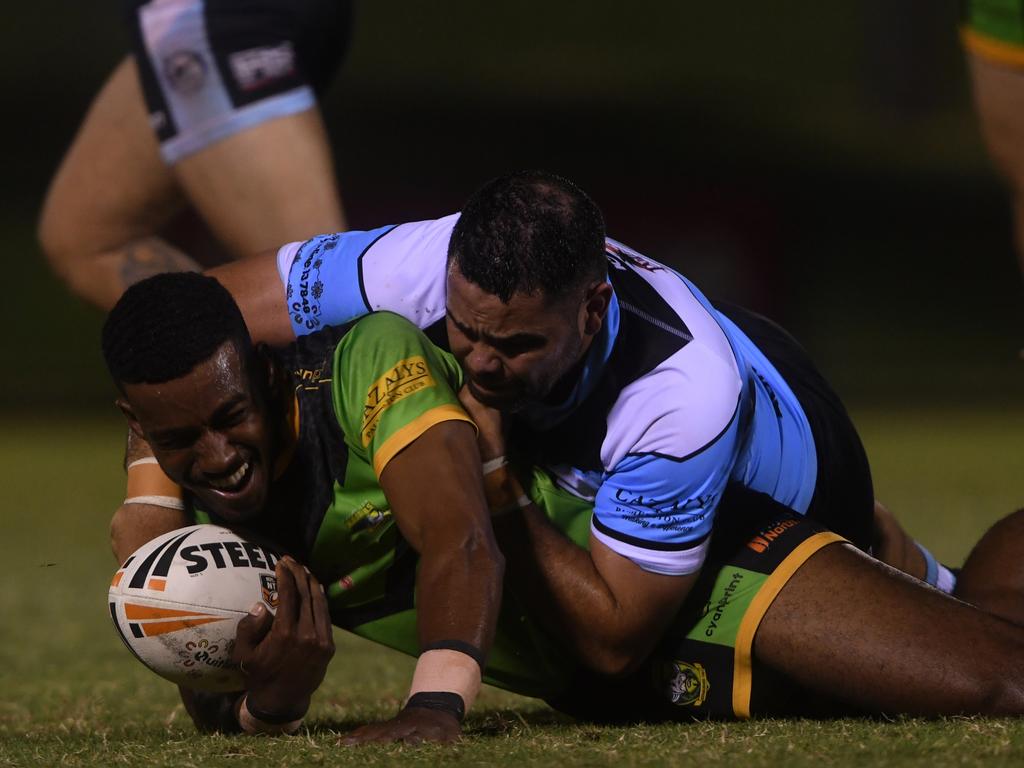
{"type": "Point", "coordinates": [177, 601]}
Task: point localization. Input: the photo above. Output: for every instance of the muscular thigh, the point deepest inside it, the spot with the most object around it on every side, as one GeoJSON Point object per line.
{"type": "Point", "coordinates": [705, 665]}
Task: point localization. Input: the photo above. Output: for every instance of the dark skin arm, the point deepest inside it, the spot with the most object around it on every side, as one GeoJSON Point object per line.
{"type": "Point", "coordinates": [435, 490]}
{"type": "Point", "coordinates": [609, 611]}
{"type": "Point", "coordinates": [285, 657]}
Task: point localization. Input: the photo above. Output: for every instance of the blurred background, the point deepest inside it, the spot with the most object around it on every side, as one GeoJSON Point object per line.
{"type": "Point", "coordinates": [819, 162]}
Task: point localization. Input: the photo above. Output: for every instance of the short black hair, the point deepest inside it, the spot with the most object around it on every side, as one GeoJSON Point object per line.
{"type": "Point", "coordinates": [166, 325]}
{"type": "Point", "coordinates": [529, 232]}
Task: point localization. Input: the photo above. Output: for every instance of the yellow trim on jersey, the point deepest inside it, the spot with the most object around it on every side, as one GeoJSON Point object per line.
{"type": "Point", "coordinates": [402, 437]}
{"type": "Point", "coordinates": [993, 49]}
{"type": "Point", "coordinates": [742, 676]}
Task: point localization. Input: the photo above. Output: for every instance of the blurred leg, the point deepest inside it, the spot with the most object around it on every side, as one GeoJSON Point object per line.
{"type": "Point", "coordinates": [257, 189]}
{"type": "Point", "coordinates": [999, 99]}
{"type": "Point", "coordinates": [266, 186]}
{"type": "Point", "coordinates": [110, 196]}
{"type": "Point", "coordinates": [852, 628]}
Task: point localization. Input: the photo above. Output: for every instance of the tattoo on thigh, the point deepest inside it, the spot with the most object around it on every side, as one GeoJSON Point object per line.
{"type": "Point", "coordinates": [152, 256]}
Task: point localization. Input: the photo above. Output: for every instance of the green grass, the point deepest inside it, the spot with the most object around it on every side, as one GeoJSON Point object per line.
{"type": "Point", "coordinates": [71, 695]}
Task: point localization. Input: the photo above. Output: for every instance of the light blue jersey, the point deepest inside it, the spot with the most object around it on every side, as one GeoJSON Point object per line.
{"type": "Point", "coordinates": [674, 403]}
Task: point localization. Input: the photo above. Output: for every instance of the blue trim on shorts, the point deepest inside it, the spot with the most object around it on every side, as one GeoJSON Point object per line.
{"type": "Point", "coordinates": [191, 139]}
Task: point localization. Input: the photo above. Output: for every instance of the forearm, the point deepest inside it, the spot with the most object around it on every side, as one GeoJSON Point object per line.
{"type": "Point", "coordinates": [459, 592]}
{"type": "Point", "coordinates": [558, 582]}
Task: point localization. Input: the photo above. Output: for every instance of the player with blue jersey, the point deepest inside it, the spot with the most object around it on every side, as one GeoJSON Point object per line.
{"type": "Point", "coordinates": [610, 371]}
{"type": "Point", "coordinates": [344, 448]}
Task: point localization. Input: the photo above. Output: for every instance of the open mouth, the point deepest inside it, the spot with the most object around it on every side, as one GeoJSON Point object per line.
{"type": "Point", "coordinates": [234, 482]}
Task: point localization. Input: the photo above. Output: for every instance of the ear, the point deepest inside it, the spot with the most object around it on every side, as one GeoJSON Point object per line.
{"type": "Point", "coordinates": [129, 414]}
{"type": "Point", "coordinates": [595, 307]}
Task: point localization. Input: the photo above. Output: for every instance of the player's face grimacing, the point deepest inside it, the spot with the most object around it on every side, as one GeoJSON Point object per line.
{"type": "Point", "coordinates": [210, 433]}
{"type": "Point", "coordinates": [517, 352]}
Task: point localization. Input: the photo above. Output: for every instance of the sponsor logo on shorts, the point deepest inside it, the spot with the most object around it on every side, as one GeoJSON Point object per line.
{"type": "Point", "coordinates": [185, 71]}
{"type": "Point", "coordinates": [405, 378]}
{"type": "Point", "coordinates": [717, 610]}
{"type": "Point", "coordinates": [688, 684]}
{"type": "Point", "coordinates": [764, 539]}
{"type": "Point", "coordinates": [257, 67]}
{"type": "Point", "coordinates": [268, 587]}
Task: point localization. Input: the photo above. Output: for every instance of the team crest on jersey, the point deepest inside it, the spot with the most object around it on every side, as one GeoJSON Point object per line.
{"type": "Point", "coordinates": [404, 378]}
{"type": "Point", "coordinates": [268, 586]}
{"type": "Point", "coordinates": [687, 683]}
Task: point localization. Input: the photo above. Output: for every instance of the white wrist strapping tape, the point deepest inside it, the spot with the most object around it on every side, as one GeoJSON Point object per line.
{"type": "Point", "coordinates": [493, 464]}
{"type": "Point", "coordinates": [143, 460]}
{"type": "Point", "coordinates": [170, 502]}
{"type": "Point", "coordinates": [445, 670]}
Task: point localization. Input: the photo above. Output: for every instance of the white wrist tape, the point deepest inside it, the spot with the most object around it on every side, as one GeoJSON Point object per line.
{"type": "Point", "coordinates": [493, 464]}
{"type": "Point", "coordinates": [170, 502]}
{"type": "Point", "coordinates": [445, 670]}
{"type": "Point", "coordinates": [143, 460]}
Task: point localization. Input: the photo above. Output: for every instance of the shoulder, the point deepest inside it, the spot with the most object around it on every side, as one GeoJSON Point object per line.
{"type": "Point", "coordinates": [675, 410]}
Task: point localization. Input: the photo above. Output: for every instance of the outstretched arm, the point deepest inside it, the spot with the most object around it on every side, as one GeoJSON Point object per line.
{"type": "Point", "coordinates": [435, 490]}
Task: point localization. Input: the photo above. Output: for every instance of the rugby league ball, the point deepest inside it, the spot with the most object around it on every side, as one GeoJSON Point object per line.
{"type": "Point", "coordinates": [177, 601]}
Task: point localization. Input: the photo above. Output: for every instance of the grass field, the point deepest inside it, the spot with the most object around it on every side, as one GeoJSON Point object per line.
{"type": "Point", "coordinates": [71, 695]}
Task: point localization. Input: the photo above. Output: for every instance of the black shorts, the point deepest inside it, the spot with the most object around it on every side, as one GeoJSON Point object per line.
{"type": "Point", "coordinates": [844, 498]}
{"type": "Point", "coordinates": [212, 68]}
{"type": "Point", "coordinates": [704, 666]}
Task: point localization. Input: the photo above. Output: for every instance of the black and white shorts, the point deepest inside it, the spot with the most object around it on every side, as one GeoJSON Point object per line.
{"type": "Point", "coordinates": [212, 68]}
{"type": "Point", "coordinates": [844, 498]}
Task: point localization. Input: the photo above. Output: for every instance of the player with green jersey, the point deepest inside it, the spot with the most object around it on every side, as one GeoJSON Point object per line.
{"type": "Point", "coordinates": [354, 398]}
{"type": "Point", "coordinates": [350, 449]}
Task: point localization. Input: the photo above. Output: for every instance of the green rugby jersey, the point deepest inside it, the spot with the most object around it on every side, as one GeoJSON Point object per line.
{"type": "Point", "coordinates": [363, 392]}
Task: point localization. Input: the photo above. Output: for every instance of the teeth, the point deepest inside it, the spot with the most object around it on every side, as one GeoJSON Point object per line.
{"type": "Point", "coordinates": [235, 479]}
